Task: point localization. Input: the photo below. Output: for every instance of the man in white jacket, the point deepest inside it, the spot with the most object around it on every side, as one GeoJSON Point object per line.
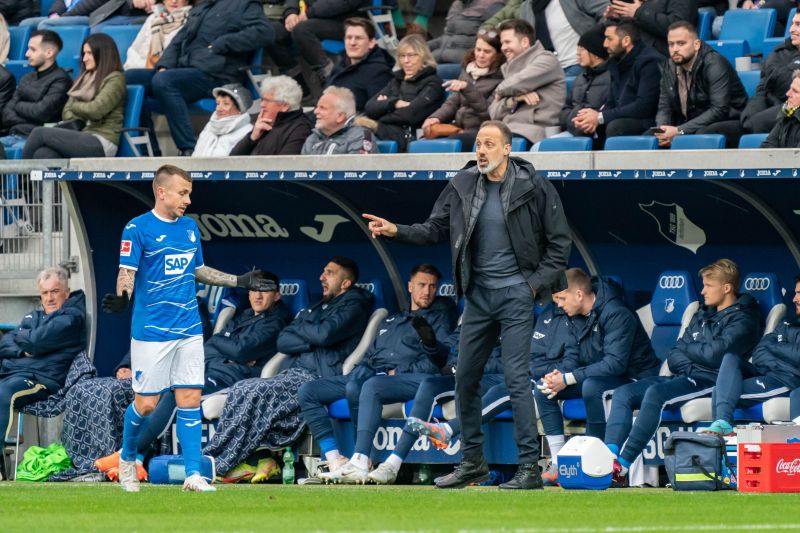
{"type": "Point", "coordinates": [228, 124]}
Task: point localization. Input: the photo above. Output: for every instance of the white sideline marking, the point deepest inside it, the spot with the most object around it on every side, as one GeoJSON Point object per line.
{"type": "Point", "coordinates": [609, 529]}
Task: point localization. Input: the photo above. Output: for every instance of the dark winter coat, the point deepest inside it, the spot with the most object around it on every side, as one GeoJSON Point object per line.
{"type": "Point", "coordinates": [219, 38]}
{"type": "Point", "coordinates": [323, 335]}
{"type": "Point", "coordinates": [365, 78]}
{"type": "Point", "coordinates": [469, 107]}
{"type": "Point", "coordinates": [7, 86]}
{"type": "Point", "coordinates": [14, 11]}
{"type": "Point", "coordinates": [716, 93]}
{"type": "Point", "coordinates": [537, 225]}
{"type": "Point", "coordinates": [778, 354]}
{"type": "Point", "coordinates": [589, 90]}
{"type": "Point", "coordinates": [39, 99]}
{"type": "Point", "coordinates": [423, 91]}
{"type": "Point", "coordinates": [464, 18]}
{"type": "Point", "coordinates": [327, 9]}
{"type": "Point", "coordinates": [286, 137]}
{"type": "Point", "coordinates": [776, 76]}
{"type": "Point", "coordinates": [711, 334]}
{"type": "Point", "coordinates": [785, 133]}
{"type": "Point", "coordinates": [635, 82]}
{"type": "Point", "coordinates": [655, 16]}
{"type": "Point", "coordinates": [553, 331]}
{"type": "Point", "coordinates": [43, 345]}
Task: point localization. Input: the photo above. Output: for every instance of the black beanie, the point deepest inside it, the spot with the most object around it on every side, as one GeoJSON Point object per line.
{"type": "Point", "coordinates": [592, 41]}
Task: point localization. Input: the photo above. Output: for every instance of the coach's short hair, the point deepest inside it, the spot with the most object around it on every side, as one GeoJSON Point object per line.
{"type": "Point", "coordinates": [500, 125]}
{"type": "Point", "coordinates": [626, 27]}
{"type": "Point", "coordinates": [165, 171]}
{"type": "Point", "coordinates": [53, 271]}
{"type": "Point", "coordinates": [521, 28]}
{"type": "Point", "coordinates": [724, 271]}
{"type": "Point", "coordinates": [345, 101]}
{"type": "Point", "coordinates": [349, 267]}
{"type": "Point", "coordinates": [426, 268]}
{"type": "Point", "coordinates": [577, 279]}
{"type": "Point", "coordinates": [283, 89]}
{"type": "Point", "coordinates": [360, 22]}
{"type": "Point", "coordinates": [685, 25]}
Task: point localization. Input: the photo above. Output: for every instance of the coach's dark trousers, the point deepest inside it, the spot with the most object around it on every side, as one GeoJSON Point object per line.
{"type": "Point", "coordinates": [490, 313]}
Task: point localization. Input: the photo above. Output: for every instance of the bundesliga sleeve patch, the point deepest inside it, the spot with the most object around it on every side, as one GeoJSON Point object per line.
{"type": "Point", "coordinates": [125, 249]}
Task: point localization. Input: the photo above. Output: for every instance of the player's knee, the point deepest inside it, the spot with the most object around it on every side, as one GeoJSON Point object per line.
{"type": "Point", "coordinates": [146, 404]}
{"type": "Point", "coordinates": [188, 398]}
{"type": "Point", "coordinates": [305, 395]}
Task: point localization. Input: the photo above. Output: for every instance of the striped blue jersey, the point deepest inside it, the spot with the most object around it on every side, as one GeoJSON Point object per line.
{"type": "Point", "coordinates": [164, 255]}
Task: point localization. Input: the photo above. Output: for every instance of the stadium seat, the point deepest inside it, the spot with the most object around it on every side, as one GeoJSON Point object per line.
{"type": "Point", "coordinates": [123, 37]}
{"type": "Point", "coordinates": [219, 302]}
{"type": "Point", "coordinates": [750, 79]}
{"type": "Point", "coordinates": [295, 294]}
{"type": "Point", "coordinates": [129, 145]}
{"type": "Point", "coordinates": [730, 50]}
{"type": "Point", "coordinates": [765, 288]}
{"type": "Point", "coordinates": [14, 153]}
{"type": "Point", "coordinates": [775, 410]}
{"type": "Point", "coordinates": [771, 42]}
{"type": "Point", "coordinates": [376, 288]}
{"type": "Point", "coordinates": [45, 6]}
{"type": "Point", "coordinates": [70, 55]}
{"type": "Point", "coordinates": [357, 354]}
{"type": "Point", "coordinates": [434, 146]}
{"type": "Point", "coordinates": [709, 141]}
{"type": "Point", "coordinates": [19, 41]}
{"type": "Point", "coordinates": [448, 71]}
{"type": "Point", "coordinates": [18, 68]}
{"type": "Point", "coordinates": [749, 25]}
{"type": "Point", "coordinates": [387, 147]}
{"type": "Point", "coordinates": [566, 144]}
{"type": "Point", "coordinates": [570, 80]}
{"type": "Point", "coordinates": [752, 140]}
{"type": "Point", "coordinates": [631, 142]}
{"type": "Point", "coordinates": [672, 305]}
{"type": "Point", "coordinates": [704, 19]}
{"type": "Point", "coordinates": [333, 47]}
{"type": "Point", "coordinates": [520, 144]}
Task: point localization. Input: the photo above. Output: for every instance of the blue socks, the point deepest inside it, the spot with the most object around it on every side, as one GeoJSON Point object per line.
{"type": "Point", "coordinates": [189, 435]}
{"type": "Point", "coordinates": [614, 449]}
{"type": "Point", "coordinates": [327, 444]}
{"type": "Point", "coordinates": [134, 423]}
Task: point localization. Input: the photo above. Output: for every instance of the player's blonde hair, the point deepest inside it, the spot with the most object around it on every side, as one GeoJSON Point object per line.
{"type": "Point", "coordinates": [164, 172]}
{"type": "Point", "coordinates": [724, 271]}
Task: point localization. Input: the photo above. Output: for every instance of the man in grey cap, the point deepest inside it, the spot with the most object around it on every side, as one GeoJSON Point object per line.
{"type": "Point", "coordinates": [228, 124]}
{"type": "Point", "coordinates": [334, 132]}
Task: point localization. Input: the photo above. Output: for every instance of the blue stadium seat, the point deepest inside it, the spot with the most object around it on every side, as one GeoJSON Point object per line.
{"type": "Point", "coordinates": [387, 147]}
{"type": "Point", "coordinates": [295, 294]}
{"type": "Point", "coordinates": [750, 79]}
{"type": "Point", "coordinates": [123, 37]}
{"type": "Point", "coordinates": [771, 42]}
{"type": "Point", "coordinates": [570, 80]}
{"type": "Point", "coordinates": [18, 68]}
{"type": "Point", "coordinates": [70, 55]}
{"type": "Point", "coordinates": [705, 16]}
{"type": "Point", "coordinates": [752, 140]}
{"type": "Point", "coordinates": [765, 288]}
{"type": "Point", "coordinates": [437, 410]}
{"type": "Point", "coordinates": [730, 50]}
{"type": "Point", "coordinates": [749, 25]}
{"type": "Point", "coordinates": [19, 41]}
{"type": "Point", "coordinates": [573, 409]}
{"type": "Point", "coordinates": [631, 142]}
{"type": "Point", "coordinates": [520, 144]}
{"type": "Point", "coordinates": [448, 71]}
{"type": "Point", "coordinates": [708, 141]}
{"type": "Point", "coordinates": [566, 144]}
{"type": "Point", "coordinates": [219, 302]}
{"type": "Point", "coordinates": [333, 47]}
{"type": "Point", "coordinates": [339, 410]}
{"type": "Point", "coordinates": [45, 6]}
{"type": "Point", "coordinates": [14, 153]}
{"type": "Point", "coordinates": [376, 288]}
{"type": "Point", "coordinates": [673, 303]}
{"type": "Point", "coordinates": [434, 146]}
{"type": "Point", "coordinates": [130, 119]}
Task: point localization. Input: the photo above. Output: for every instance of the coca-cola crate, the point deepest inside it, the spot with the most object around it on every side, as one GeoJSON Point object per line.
{"type": "Point", "coordinates": [769, 467]}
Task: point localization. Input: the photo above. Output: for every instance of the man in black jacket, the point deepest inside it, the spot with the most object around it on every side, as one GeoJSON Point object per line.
{"type": "Point", "coordinates": [36, 356]}
{"type": "Point", "coordinates": [211, 50]}
{"type": "Point", "coordinates": [509, 241]}
{"type": "Point", "coordinates": [40, 95]}
{"type": "Point", "coordinates": [786, 132]}
{"type": "Point", "coordinates": [699, 88]}
{"type": "Point", "coordinates": [633, 95]}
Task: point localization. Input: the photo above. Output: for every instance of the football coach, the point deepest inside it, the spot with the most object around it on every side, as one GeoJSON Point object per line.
{"type": "Point", "coordinates": [510, 241]}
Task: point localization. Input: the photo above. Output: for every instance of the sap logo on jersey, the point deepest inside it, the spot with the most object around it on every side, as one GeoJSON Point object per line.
{"type": "Point", "coordinates": [177, 263]}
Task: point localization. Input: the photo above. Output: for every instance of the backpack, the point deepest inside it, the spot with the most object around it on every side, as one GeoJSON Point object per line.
{"type": "Point", "coordinates": [696, 461]}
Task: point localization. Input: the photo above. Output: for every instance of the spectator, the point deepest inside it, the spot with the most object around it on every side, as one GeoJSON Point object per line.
{"type": "Point", "coordinates": [463, 20]}
{"type": "Point", "coordinates": [14, 11]}
{"type": "Point", "coordinates": [334, 132]}
{"type": "Point", "coordinates": [322, 19]}
{"type": "Point", "coordinates": [467, 107]}
{"type": "Point", "coordinates": [260, 412]}
{"type": "Point", "coordinates": [156, 33]}
{"type": "Point", "coordinates": [786, 133]}
{"type": "Point", "coordinates": [213, 48]}
{"type": "Point", "coordinates": [95, 13]}
{"type": "Point", "coordinates": [413, 94]}
{"type": "Point", "coordinates": [699, 88]}
{"type": "Point", "coordinates": [281, 51]}
{"type": "Point", "coordinates": [365, 68]}
{"type": "Point", "coordinates": [776, 77]}
{"type": "Point", "coordinates": [558, 25]}
{"type": "Point", "coordinates": [40, 95]}
{"type": "Point", "coordinates": [653, 17]}
{"type": "Point", "coordinates": [36, 356]}
{"type": "Point", "coordinates": [229, 123]}
{"type": "Point", "coordinates": [92, 117]}
{"type": "Point", "coordinates": [281, 127]}
{"type": "Point", "coordinates": [533, 89]}
{"type": "Point", "coordinates": [405, 352]}
{"type": "Point", "coordinates": [633, 95]}
{"type": "Point", "coordinates": [590, 88]}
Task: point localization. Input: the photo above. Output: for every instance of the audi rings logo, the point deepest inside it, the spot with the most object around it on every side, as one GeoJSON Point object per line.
{"type": "Point", "coordinates": [290, 289]}
{"type": "Point", "coordinates": [756, 284]}
{"type": "Point", "coordinates": [447, 289]}
{"type": "Point", "coordinates": [366, 286]}
{"type": "Point", "coordinates": [671, 282]}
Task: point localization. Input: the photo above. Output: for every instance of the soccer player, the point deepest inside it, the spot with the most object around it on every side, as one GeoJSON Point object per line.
{"type": "Point", "coordinates": [160, 259]}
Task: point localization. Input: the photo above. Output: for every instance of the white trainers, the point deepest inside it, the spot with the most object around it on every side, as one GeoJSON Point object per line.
{"type": "Point", "coordinates": [348, 474]}
{"type": "Point", "coordinates": [383, 475]}
{"type": "Point", "coordinates": [197, 483]}
{"type": "Point", "coordinates": [128, 478]}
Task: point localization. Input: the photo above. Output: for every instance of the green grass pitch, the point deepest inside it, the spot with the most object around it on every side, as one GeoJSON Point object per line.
{"type": "Point", "coordinates": [66, 507]}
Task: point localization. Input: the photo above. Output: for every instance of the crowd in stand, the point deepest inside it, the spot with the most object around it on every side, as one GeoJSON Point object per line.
{"type": "Point", "coordinates": [589, 68]}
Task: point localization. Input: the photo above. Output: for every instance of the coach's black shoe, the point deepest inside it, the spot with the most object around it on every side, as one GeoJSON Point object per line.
{"type": "Point", "coordinates": [468, 471]}
{"type": "Point", "coordinates": [528, 477]}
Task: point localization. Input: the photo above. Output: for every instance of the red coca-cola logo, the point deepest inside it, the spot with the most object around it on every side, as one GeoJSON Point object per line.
{"type": "Point", "coordinates": [788, 467]}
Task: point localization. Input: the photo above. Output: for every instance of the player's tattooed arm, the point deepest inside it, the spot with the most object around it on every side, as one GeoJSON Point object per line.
{"type": "Point", "coordinates": [125, 281]}
{"type": "Point", "coordinates": [212, 276]}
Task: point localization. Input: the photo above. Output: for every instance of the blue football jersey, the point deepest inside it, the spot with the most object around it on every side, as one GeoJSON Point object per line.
{"type": "Point", "coordinates": [164, 255]}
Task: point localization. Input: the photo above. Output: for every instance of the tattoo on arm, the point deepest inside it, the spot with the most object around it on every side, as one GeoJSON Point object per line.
{"type": "Point", "coordinates": [125, 281]}
{"type": "Point", "coordinates": [214, 277]}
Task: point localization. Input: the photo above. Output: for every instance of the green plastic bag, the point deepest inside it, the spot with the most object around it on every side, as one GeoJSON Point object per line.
{"type": "Point", "coordinates": [39, 463]}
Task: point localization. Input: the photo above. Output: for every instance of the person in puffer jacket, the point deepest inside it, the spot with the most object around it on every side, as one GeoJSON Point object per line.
{"type": "Point", "coordinates": [727, 323]}
{"type": "Point", "coordinates": [461, 26]}
{"type": "Point", "coordinates": [229, 123]}
{"type": "Point", "coordinates": [774, 372]}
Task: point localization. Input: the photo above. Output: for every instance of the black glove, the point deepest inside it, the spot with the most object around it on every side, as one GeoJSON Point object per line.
{"type": "Point", "coordinates": [116, 304]}
{"type": "Point", "coordinates": [250, 282]}
{"type": "Point", "coordinates": [425, 331]}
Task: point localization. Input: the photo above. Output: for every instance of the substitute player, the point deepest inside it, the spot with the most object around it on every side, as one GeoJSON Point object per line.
{"type": "Point", "coordinates": [160, 259]}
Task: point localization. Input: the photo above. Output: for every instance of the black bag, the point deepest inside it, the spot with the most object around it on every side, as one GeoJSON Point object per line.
{"type": "Point", "coordinates": [74, 124]}
{"type": "Point", "coordinates": [694, 461]}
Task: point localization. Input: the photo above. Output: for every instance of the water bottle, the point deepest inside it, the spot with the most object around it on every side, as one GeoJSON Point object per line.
{"type": "Point", "coordinates": [288, 467]}
{"type": "Point", "coordinates": [424, 474]}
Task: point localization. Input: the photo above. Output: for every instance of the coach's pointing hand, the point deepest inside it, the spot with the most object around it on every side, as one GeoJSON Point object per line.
{"type": "Point", "coordinates": [253, 281]}
{"type": "Point", "coordinates": [380, 226]}
{"type": "Point", "coordinates": [115, 304]}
